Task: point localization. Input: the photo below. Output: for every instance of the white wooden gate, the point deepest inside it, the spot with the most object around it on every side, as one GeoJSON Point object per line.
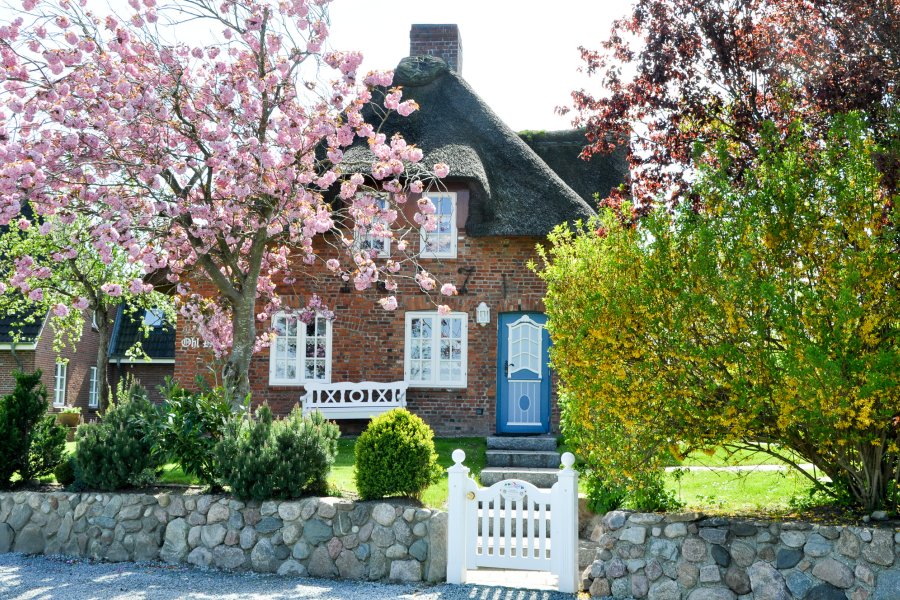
{"type": "Point", "coordinates": [513, 525]}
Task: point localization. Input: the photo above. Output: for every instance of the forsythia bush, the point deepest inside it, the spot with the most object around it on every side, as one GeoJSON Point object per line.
{"type": "Point", "coordinates": [765, 312]}
{"type": "Point", "coordinates": [395, 456]}
{"type": "Point", "coordinates": [261, 458]}
{"type": "Point", "coordinates": [31, 442]}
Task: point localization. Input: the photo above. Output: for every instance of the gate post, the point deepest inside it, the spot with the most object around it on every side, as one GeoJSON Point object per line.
{"type": "Point", "coordinates": [564, 526]}
{"type": "Point", "coordinates": [458, 476]}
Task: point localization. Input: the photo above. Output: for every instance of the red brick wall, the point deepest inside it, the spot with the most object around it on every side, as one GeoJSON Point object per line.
{"type": "Point", "coordinates": [368, 342]}
{"type": "Point", "coordinates": [151, 376]}
{"type": "Point", "coordinates": [81, 357]}
{"type": "Point", "coordinates": [8, 364]}
{"type": "Point", "coordinates": [442, 41]}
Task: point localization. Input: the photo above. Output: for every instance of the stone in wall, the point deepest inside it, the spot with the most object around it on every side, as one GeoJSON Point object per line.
{"type": "Point", "coordinates": [691, 557]}
{"type": "Point", "coordinates": [325, 537]}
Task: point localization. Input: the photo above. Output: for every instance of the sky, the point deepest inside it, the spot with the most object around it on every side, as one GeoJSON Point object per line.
{"type": "Point", "coordinates": [520, 56]}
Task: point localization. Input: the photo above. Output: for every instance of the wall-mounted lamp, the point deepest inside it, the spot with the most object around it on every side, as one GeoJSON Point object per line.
{"type": "Point", "coordinates": [483, 314]}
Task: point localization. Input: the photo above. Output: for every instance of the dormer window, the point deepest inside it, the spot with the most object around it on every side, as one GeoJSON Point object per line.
{"type": "Point", "coordinates": [370, 240]}
{"type": "Point", "coordinates": [154, 318]}
{"type": "Point", "coordinates": [441, 243]}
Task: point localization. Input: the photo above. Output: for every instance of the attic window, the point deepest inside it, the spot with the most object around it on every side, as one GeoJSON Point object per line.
{"type": "Point", "coordinates": [369, 238]}
{"type": "Point", "coordinates": [154, 318]}
{"type": "Point", "coordinates": [441, 243]}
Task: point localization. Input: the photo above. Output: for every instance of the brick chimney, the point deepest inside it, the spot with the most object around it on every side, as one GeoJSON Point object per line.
{"type": "Point", "coordinates": [442, 41]}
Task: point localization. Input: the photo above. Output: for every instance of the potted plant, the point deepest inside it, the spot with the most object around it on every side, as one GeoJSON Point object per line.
{"type": "Point", "coordinates": [70, 416]}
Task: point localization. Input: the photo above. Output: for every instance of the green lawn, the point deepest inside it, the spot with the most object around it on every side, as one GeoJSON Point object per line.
{"type": "Point", "coordinates": [727, 458]}
{"type": "Point", "coordinates": [738, 492]}
{"type": "Point", "coordinates": [436, 495]}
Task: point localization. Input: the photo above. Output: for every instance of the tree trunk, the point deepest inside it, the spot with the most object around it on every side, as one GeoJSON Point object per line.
{"type": "Point", "coordinates": [103, 328]}
{"type": "Point", "coordinates": [236, 372]}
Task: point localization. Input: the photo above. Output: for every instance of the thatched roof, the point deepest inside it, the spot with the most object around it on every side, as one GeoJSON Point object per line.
{"type": "Point", "coordinates": [560, 150]}
{"type": "Point", "coordinates": [513, 191]}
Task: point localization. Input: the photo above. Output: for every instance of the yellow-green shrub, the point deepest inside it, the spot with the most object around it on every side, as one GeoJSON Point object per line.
{"type": "Point", "coordinates": [765, 312]}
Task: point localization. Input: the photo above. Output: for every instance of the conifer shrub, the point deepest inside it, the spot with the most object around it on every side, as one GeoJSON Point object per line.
{"type": "Point", "coordinates": [262, 458]}
{"type": "Point", "coordinates": [31, 442]}
{"type": "Point", "coordinates": [118, 451]}
{"type": "Point", "coordinates": [395, 456]}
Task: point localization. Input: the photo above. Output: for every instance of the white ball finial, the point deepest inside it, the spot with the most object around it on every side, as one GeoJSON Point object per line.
{"type": "Point", "coordinates": [568, 459]}
{"type": "Point", "coordinates": [458, 456]}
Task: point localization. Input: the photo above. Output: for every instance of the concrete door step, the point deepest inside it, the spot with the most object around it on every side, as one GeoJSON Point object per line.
{"type": "Point", "coordinates": [540, 459]}
{"type": "Point", "coordinates": [522, 442]}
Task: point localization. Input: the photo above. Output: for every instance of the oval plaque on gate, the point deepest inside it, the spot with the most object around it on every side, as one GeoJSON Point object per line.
{"type": "Point", "coordinates": [512, 490]}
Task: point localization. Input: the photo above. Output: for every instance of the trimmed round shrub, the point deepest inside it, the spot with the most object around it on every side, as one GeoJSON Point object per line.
{"type": "Point", "coordinates": [395, 457]}
{"type": "Point", "coordinates": [65, 472]}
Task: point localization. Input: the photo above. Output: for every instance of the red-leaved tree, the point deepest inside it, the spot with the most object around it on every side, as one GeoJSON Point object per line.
{"type": "Point", "coordinates": [677, 72]}
{"type": "Point", "coordinates": [202, 138]}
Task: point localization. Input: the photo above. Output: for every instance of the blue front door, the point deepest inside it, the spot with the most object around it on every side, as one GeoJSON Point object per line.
{"type": "Point", "coordinates": [523, 377]}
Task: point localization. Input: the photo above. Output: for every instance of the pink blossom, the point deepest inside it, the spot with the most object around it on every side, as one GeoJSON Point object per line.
{"type": "Point", "coordinates": [2, 288]}
{"type": "Point", "coordinates": [112, 289]}
{"type": "Point", "coordinates": [426, 206]}
{"type": "Point", "coordinates": [425, 281]}
{"type": "Point", "coordinates": [443, 310]}
{"type": "Point", "coordinates": [389, 303]}
{"type": "Point", "coordinates": [407, 108]}
{"type": "Point", "coordinates": [333, 264]}
{"type": "Point", "coordinates": [36, 295]}
{"type": "Point", "coordinates": [24, 224]}
{"type": "Point", "coordinates": [81, 303]}
{"type": "Point", "coordinates": [416, 187]}
{"type": "Point", "coordinates": [61, 310]}
{"type": "Point", "coordinates": [448, 289]}
{"type": "Point", "coordinates": [441, 170]}
{"type": "Point", "coordinates": [392, 101]}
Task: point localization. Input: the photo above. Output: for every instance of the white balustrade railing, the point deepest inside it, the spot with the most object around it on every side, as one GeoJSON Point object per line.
{"type": "Point", "coordinates": [513, 525]}
{"type": "Point", "coordinates": [347, 400]}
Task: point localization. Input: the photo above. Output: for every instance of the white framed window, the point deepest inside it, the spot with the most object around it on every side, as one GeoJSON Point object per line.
{"type": "Point", "coordinates": [59, 385]}
{"type": "Point", "coordinates": [370, 240]}
{"type": "Point", "coordinates": [300, 353]}
{"type": "Point", "coordinates": [440, 243]}
{"type": "Point", "coordinates": [436, 349]}
{"type": "Point", "coordinates": [154, 317]}
{"type": "Point", "coordinates": [94, 393]}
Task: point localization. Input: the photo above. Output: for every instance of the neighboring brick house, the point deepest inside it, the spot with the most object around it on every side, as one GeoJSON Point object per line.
{"type": "Point", "coordinates": [70, 377]}
{"type": "Point", "coordinates": [465, 376]}
{"type": "Point", "coordinates": [154, 359]}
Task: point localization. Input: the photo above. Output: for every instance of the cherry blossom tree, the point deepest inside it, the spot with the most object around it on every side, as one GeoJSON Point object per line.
{"type": "Point", "coordinates": [203, 140]}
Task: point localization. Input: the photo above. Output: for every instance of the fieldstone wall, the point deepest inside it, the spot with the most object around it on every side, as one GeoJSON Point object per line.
{"type": "Point", "coordinates": [320, 537]}
{"type": "Point", "coordinates": [686, 556]}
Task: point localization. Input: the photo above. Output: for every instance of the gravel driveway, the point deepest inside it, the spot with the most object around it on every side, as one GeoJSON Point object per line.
{"type": "Point", "coordinates": [43, 578]}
